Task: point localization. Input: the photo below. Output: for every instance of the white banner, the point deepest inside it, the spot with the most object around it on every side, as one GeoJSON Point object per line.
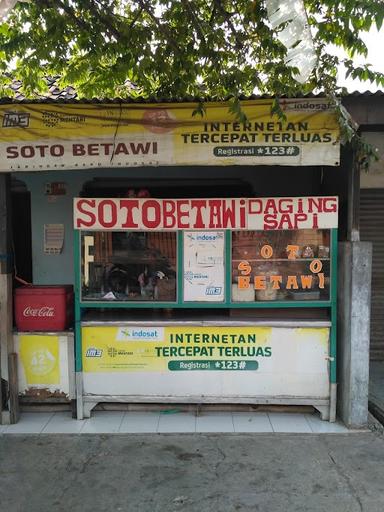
{"type": "Point", "coordinates": [206, 214]}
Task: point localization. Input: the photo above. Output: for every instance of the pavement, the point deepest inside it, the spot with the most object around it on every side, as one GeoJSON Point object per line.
{"type": "Point", "coordinates": [170, 421]}
{"type": "Point", "coordinates": [197, 472]}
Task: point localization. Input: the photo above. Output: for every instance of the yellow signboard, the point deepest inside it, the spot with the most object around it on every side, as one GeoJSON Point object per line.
{"type": "Point", "coordinates": [40, 359]}
{"type": "Point", "coordinates": [168, 349]}
{"type": "Point", "coordinates": [53, 136]}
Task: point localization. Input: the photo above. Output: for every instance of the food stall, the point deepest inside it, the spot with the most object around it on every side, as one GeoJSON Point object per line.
{"type": "Point", "coordinates": [226, 294]}
{"type": "Point", "coordinates": [206, 300]}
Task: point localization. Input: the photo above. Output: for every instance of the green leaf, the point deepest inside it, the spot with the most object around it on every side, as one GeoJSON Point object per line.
{"type": "Point", "coordinates": [178, 48]}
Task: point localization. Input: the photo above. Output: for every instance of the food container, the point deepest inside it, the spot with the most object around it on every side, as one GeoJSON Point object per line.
{"type": "Point", "coordinates": [44, 308]}
{"type": "Point", "coordinates": [308, 252]}
{"type": "Point", "coordinates": [269, 293]}
{"type": "Point", "coordinates": [166, 290]}
{"type": "Point", "coordinates": [243, 295]}
{"type": "Point", "coordinates": [323, 251]}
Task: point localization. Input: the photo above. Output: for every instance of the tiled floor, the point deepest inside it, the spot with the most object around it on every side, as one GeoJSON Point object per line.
{"type": "Point", "coordinates": [172, 421]}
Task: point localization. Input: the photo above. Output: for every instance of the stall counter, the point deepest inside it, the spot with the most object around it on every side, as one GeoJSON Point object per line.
{"type": "Point", "coordinates": [213, 360]}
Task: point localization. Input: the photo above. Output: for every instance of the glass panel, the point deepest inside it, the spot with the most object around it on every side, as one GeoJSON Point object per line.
{"type": "Point", "coordinates": [204, 270]}
{"type": "Point", "coordinates": [128, 266]}
{"type": "Point", "coordinates": [280, 265]}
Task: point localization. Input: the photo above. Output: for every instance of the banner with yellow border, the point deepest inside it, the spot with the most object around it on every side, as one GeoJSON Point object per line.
{"type": "Point", "coordinates": [190, 348]}
{"type": "Point", "coordinates": [53, 136]}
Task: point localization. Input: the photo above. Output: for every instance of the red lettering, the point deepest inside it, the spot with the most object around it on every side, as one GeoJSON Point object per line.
{"type": "Point", "coordinates": [80, 209]}
{"type": "Point", "coordinates": [199, 204]}
{"type": "Point", "coordinates": [300, 205]}
{"type": "Point", "coordinates": [57, 150]}
{"type": "Point", "coordinates": [181, 214]}
{"type": "Point", "coordinates": [12, 152]}
{"type": "Point", "coordinates": [140, 148]}
{"type": "Point", "coordinates": [215, 213]}
{"type": "Point", "coordinates": [315, 204]}
{"type": "Point", "coordinates": [129, 204]}
{"type": "Point", "coordinates": [286, 219]}
{"type": "Point", "coordinates": [270, 205]}
{"type": "Point", "coordinates": [93, 149]}
{"type": "Point", "coordinates": [270, 222]}
{"type": "Point", "coordinates": [299, 217]}
{"type": "Point", "coordinates": [78, 149]}
{"type": "Point", "coordinates": [121, 148]}
{"type": "Point", "coordinates": [42, 149]}
{"type": "Point", "coordinates": [285, 206]}
{"type": "Point", "coordinates": [151, 221]}
{"type": "Point", "coordinates": [107, 147]}
{"type": "Point", "coordinates": [27, 151]}
{"type": "Point", "coordinates": [103, 214]}
{"type": "Point", "coordinates": [243, 219]}
{"type": "Point", "coordinates": [255, 206]}
{"type": "Point", "coordinates": [229, 214]}
{"type": "Point", "coordinates": [330, 204]}
{"type": "Point", "coordinates": [169, 217]}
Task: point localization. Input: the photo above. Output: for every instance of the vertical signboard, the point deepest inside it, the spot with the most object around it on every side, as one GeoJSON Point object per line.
{"type": "Point", "coordinates": [204, 271]}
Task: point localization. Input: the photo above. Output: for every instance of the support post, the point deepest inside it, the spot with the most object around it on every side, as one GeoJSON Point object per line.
{"type": "Point", "coordinates": [355, 263]}
{"type": "Point", "coordinates": [354, 201]}
{"type": "Point", "coordinates": [8, 367]}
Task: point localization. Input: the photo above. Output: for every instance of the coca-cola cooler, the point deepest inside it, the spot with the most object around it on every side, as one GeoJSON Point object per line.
{"type": "Point", "coordinates": [44, 308]}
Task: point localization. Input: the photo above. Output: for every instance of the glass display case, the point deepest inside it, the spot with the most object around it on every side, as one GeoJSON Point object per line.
{"type": "Point", "coordinates": [128, 266]}
{"type": "Point", "coordinates": [289, 265]}
{"type": "Point", "coordinates": [224, 268]}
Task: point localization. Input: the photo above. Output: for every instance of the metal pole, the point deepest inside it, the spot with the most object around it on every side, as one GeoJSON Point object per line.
{"type": "Point", "coordinates": [8, 368]}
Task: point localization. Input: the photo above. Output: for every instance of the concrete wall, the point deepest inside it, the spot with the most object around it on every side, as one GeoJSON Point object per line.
{"type": "Point", "coordinates": [354, 303]}
{"type": "Point", "coordinates": [47, 268]}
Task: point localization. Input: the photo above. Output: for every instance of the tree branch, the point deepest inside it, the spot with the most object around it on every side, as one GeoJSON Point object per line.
{"type": "Point", "coordinates": [53, 4]}
{"type": "Point", "coordinates": [227, 17]}
{"type": "Point", "coordinates": [195, 20]}
{"type": "Point", "coordinates": [145, 7]}
{"type": "Point", "coordinates": [105, 19]}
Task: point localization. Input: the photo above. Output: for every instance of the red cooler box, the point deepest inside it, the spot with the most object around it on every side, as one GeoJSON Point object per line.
{"type": "Point", "coordinates": [44, 308]}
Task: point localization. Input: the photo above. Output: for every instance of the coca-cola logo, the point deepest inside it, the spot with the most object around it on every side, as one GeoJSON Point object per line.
{"type": "Point", "coordinates": [43, 311]}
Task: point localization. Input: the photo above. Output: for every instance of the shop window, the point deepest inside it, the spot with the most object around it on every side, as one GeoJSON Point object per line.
{"type": "Point", "coordinates": [280, 265]}
{"type": "Point", "coordinates": [128, 266]}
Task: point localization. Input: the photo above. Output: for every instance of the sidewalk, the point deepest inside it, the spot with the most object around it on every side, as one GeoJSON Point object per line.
{"type": "Point", "coordinates": [171, 420]}
{"type": "Point", "coordinates": [192, 472]}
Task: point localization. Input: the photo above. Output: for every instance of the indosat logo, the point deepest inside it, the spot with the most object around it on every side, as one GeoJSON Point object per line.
{"type": "Point", "coordinates": [206, 237]}
{"type": "Point", "coordinates": [140, 334]}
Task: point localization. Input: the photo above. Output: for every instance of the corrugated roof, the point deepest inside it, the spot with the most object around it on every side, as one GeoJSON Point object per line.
{"type": "Point", "coordinates": [63, 98]}
{"type": "Point", "coordinates": [368, 94]}
{"type": "Point", "coordinates": [69, 95]}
